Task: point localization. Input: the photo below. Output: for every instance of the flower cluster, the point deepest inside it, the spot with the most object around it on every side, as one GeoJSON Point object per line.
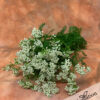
{"type": "Point", "coordinates": [45, 59]}
{"type": "Point", "coordinates": [25, 84]}
{"type": "Point", "coordinates": [36, 33]}
{"type": "Point", "coordinates": [82, 69]}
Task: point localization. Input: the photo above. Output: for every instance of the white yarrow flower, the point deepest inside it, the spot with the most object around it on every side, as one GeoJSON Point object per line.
{"type": "Point", "coordinates": [36, 33]}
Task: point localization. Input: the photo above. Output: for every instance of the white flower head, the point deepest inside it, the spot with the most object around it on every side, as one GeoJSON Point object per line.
{"type": "Point", "coordinates": [38, 43]}
{"type": "Point", "coordinates": [36, 33]}
{"type": "Point", "coordinates": [88, 69]}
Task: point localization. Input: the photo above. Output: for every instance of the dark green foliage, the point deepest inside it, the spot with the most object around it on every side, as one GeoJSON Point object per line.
{"type": "Point", "coordinates": [38, 49]}
{"type": "Point", "coordinates": [74, 29]}
{"type": "Point", "coordinates": [41, 26]}
{"type": "Point", "coordinates": [62, 30]}
{"type": "Point", "coordinates": [72, 39]}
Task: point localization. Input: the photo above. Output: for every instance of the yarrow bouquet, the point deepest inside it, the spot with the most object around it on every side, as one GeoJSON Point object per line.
{"type": "Point", "coordinates": [45, 59]}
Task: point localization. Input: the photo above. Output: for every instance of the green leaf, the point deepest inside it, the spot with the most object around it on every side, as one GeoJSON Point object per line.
{"type": "Point", "coordinates": [74, 29]}
{"type": "Point", "coordinates": [50, 31]}
{"type": "Point", "coordinates": [41, 26]}
{"type": "Point", "coordinates": [62, 30]}
{"type": "Point", "coordinates": [83, 53]}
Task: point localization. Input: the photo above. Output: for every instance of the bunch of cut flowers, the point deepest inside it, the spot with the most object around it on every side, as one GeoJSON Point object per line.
{"type": "Point", "coordinates": [45, 59]}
